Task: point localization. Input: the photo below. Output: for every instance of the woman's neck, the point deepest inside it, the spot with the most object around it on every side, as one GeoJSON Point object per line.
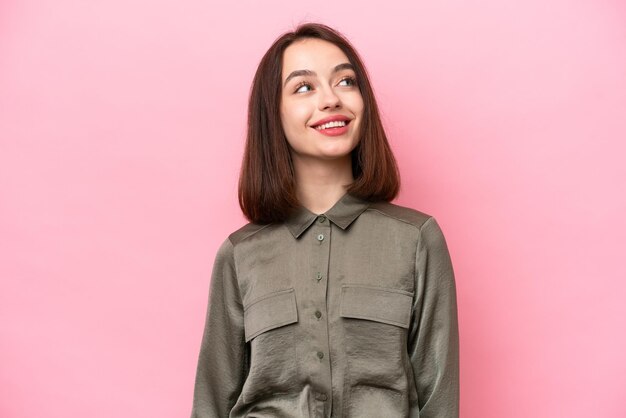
{"type": "Point", "coordinates": [320, 184]}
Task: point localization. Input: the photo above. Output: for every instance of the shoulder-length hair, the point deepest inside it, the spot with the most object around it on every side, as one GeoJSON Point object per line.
{"type": "Point", "coordinates": [267, 187]}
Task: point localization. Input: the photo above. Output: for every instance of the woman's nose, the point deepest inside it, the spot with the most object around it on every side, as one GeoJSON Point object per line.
{"type": "Point", "coordinates": [328, 98]}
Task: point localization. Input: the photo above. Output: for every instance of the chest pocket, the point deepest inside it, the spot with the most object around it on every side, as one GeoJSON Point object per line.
{"type": "Point", "coordinates": [375, 323]}
{"type": "Point", "coordinates": [269, 312]}
{"type": "Point", "coordinates": [381, 304]}
{"type": "Point", "coordinates": [273, 362]}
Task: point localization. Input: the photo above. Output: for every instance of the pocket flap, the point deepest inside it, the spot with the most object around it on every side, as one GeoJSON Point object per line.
{"type": "Point", "coordinates": [270, 311]}
{"type": "Point", "coordinates": [382, 304]}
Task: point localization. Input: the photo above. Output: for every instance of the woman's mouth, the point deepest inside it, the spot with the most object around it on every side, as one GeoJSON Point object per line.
{"type": "Point", "coordinates": [334, 128]}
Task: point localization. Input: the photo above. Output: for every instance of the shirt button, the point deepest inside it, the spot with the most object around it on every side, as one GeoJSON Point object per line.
{"type": "Point", "coordinates": [320, 237]}
{"type": "Point", "coordinates": [319, 276]}
{"type": "Point", "coordinates": [318, 314]}
{"type": "Point", "coordinates": [321, 218]}
{"type": "Point", "coordinates": [320, 355]}
{"type": "Point", "coordinates": [322, 397]}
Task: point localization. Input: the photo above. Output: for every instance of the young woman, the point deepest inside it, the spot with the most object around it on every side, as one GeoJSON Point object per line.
{"type": "Point", "coordinates": [332, 301]}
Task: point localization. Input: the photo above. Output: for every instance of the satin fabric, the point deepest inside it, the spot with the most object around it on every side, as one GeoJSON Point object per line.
{"type": "Point", "coordinates": [349, 313]}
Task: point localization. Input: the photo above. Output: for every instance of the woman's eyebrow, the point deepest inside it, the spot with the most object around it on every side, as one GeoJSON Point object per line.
{"type": "Point", "coordinates": [344, 66]}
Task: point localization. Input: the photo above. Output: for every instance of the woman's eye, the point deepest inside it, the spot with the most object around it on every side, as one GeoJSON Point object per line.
{"type": "Point", "coordinates": [300, 86]}
{"type": "Point", "coordinates": [351, 81]}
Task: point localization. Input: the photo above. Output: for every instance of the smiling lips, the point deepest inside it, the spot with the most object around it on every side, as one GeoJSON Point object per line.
{"type": "Point", "coordinates": [332, 126]}
{"type": "Point", "coordinates": [332, 118]}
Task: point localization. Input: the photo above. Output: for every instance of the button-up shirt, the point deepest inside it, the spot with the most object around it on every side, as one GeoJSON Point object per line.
{"type": "Point", "coordinates": [349, 313]}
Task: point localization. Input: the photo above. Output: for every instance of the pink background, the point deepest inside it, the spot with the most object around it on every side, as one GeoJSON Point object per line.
{"type": "Point", "coordinates": [121, 133]}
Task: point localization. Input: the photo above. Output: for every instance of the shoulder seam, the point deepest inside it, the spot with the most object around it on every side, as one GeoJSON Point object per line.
{"type": "Point", "coordinates": [427, 220]}
{"type": "Point", "coordinates": [248, 235]}
{"type": "Point", "coordinates": [400, 219]}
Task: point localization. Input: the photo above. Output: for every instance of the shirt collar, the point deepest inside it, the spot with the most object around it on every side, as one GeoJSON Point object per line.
{"type": "Point", "coordinates": [343, 212]}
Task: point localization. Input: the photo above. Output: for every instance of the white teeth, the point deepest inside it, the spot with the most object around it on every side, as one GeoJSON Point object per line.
{"type": "Point", "coordinates": [331, 125]}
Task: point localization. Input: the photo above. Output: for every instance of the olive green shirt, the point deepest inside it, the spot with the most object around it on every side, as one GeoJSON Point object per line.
{"type": "Point", "coordinates": [350, 313]}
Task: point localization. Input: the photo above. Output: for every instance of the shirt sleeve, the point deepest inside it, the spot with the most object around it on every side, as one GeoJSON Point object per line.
{"type": "Point", "coordinates": [433, 344]}
{"type": "Point", "coordinates": [222, 360]}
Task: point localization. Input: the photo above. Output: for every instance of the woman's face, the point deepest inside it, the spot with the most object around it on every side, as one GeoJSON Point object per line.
{"type": "Point", "coordinates": [317, 83]}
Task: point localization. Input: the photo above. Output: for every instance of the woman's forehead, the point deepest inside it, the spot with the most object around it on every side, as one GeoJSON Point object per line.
{"type": "Point", "coordinates": [312, 54]}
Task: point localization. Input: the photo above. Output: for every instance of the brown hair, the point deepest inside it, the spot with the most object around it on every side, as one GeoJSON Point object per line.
{"type": "Point", "coordinates": [267, 188]}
